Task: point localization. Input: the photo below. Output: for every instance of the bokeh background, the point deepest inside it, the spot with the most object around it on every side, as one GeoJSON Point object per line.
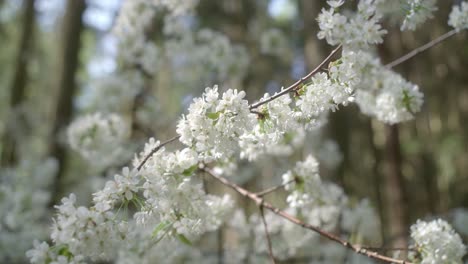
{"type": "Point", "coordinates": [58, 60]}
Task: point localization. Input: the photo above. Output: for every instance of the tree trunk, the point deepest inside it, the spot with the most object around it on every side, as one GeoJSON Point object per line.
{"type": "Point", "coordinates": [20, 77]}
{"type": "Point", "coordinates": [69, 55]}
{"type": "Point", "coordinates": [397, 202]}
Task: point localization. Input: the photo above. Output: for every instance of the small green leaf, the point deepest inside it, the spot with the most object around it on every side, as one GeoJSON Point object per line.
{"type": "Point", "coordinates": [184, 239]}
{"type": "Point", "coordinates": [65, 252]}
{"type": "Point", "coordinates": [160, 227]}
{"type": "Point", "coordinates": [213, 116]}
{"type": "Point", "coordinates": [190, 171]}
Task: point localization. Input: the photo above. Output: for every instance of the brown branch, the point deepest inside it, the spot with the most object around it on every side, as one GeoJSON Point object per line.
{"type": "Point", "coordinates": [293, 86]}
{"type": "Point", "coordinates": [267, 235]}
{"type": "Point", "coordinates": [388, 248]}
{"type": "Point", "coordinates": [274, 188]}
{"type": "Point", "coordinates": [156, 149]}
{"type": "Point", "coordinates": [422, 48]}
{"type": "Point", "coordinates": [258, 200]}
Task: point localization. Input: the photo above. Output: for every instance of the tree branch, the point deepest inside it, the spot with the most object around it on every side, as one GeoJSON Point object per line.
{"type": "Point", "coordinates": [156, 149]}
{"type": "Point", "coordinates": [293, 86]}
{"type": "Point", "coordinates": [422, 48]}
{"type": "Point", "coordinates": [274, 188]}
{"type": "Point", "coordinates": [267, 235]}
{"type": "Point", "coordinates": [258, 200]}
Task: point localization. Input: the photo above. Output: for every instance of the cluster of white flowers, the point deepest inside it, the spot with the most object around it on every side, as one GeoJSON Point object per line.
{"type": "Point", "coordinates": [437, 242]}
{"type": "Point", "coordinates": [379, 91]}
{"type": "Point", "coordinates": [130, 26]}
{"type": "Point", "coordinates": [290, 241]}
{"type": "Point", "coordinates": [168, 200]}
{"type": "Point", "coordinates": [118, 89]}
{"type": "Point", "coordinates": [417, 12]}
{"type": "Point", "coordinates": [321, 202]}
{"type": "Point", "coordinates": [276, 131]}
{"type": "Point", "coordinates": [382, 93]}
{"type": "Point", "coordinates": [24, 202]}
{"type": "Point", "coordinates": [321, 95]}
{"type": "Point", "coordinates": [213, 125]}
{"type": "Point", "coordinates": [360, 30]}
{"type": "Point", "coordinates": [177, 198]}
{"type": "Point", "coordinates": [458, 18]}
{"type": "Point", "coordinates": [99, 138]}
{"type": "Point", "coordinates": [204, 56]}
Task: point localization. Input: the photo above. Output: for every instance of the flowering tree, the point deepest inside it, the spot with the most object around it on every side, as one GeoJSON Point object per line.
{"type": "Point", "coordinates": [160, 209]}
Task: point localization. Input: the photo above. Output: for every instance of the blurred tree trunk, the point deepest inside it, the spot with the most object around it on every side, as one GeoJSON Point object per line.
{"type": "Point", "coordinates": [397, 202]}
{"type": "Point", "coordinates": [20, 78]}
{"type": "Point", "coordinates": [69, 55]}
{"type": "Point", "coordinates": [377, 179]}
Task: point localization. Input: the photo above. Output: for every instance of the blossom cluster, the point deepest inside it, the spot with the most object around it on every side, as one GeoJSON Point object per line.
{"type": "Point", "coordinates": [458, 18]}
{"type": "Point", "coordinates": [384, 94]}
{"type": "Point", "coordinates": [359, 30]}
{"type": "Point", "coordinates": [24, 202]}
{"type": "Point", "coordinates": [322, 201]}
{"type": "Point", "coordinates": [99, 138]}
{"type": "Point", "coordinates": [379, 92]}
{"type": "Point", "coordinates": [437, 242]}
{"type": "Point", "coordinates": [321, 205]}
{"type": "Point", "coordinates": [417, 12]}
{"type": "Point", "coordinates": [213, 124]}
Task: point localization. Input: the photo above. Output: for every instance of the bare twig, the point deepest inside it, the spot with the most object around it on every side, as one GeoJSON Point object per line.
{"type": "Point", "coordinates": [293, 86]}
{"type": "Point", "coordinates": [258, 200]}
{"type": "Point", "coordinates": [274, 188]}
{"type": "Point", "coordinates": [386, 249]}
{"type": "Point", "coordinates": [156, 149]}
{"type": "Point", "coordinates": [267, 235]}
{"type": "Point", "coordinates": [421, 49]}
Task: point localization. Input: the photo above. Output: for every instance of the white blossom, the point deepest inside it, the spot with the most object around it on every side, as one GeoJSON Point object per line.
{"type": "Point", "coordinates": [321, 95]}
{"type": "Point", "coordinates": [417, 12]}
{"type": "Point", "coordinates": [99, 138]}
{"type": "Point", "coordinates": [214, 124]}
{"type": "Point", "coordinates": [357, 31]}
{"type": "Point", "coordinates": [458, 18]}
{"type": "Point", "coordinates": [437, 242]}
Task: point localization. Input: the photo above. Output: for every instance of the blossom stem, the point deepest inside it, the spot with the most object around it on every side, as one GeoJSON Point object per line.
{"type": "Point", "coordinates": [156, 149]}
{"type": "Point", "coordinates": [267, 235]}
{"type": "Point", "coordinates": [293, 86]}
{"type": "Point", "coordinates": [274, 188]}
{"type": "Point", "coordinates": [258, 200]}
{"type": "Point", "coordinates": [420, 49]}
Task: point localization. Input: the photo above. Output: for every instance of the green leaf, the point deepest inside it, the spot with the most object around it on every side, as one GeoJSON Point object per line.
{"type": "Point", "coordinates": [190, 171]}
{"type": "Point", "coordinates": [213, 116]}
{"type": "Point", "coordinates": [160, 227]}
{"type": "Point", "coordinates": [184, 239]}
{"type": "Point", "coordinates": [65, 252]}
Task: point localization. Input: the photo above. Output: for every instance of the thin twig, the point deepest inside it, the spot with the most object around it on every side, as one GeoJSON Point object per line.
{"type": "Point", "coordinates": [421, 49]}
{"type": "Point", "coordinates": [297, 83]}
{"type": "Point", "coordinates": [156, 149]}
{"type": "Point", "coordinates": [267, 234]}
{"type": "Point", "coordinates": [388, 248]}
{"type": "Point", "coordinates": [258, 200]}
{"type": "Point", "coordinates": [274, 188]}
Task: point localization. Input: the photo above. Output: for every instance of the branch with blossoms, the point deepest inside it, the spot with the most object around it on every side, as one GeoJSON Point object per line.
{"type": "Point", "coordinates": [263, 204]}
{"type": "Point", "coordinates": [169, 197]}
